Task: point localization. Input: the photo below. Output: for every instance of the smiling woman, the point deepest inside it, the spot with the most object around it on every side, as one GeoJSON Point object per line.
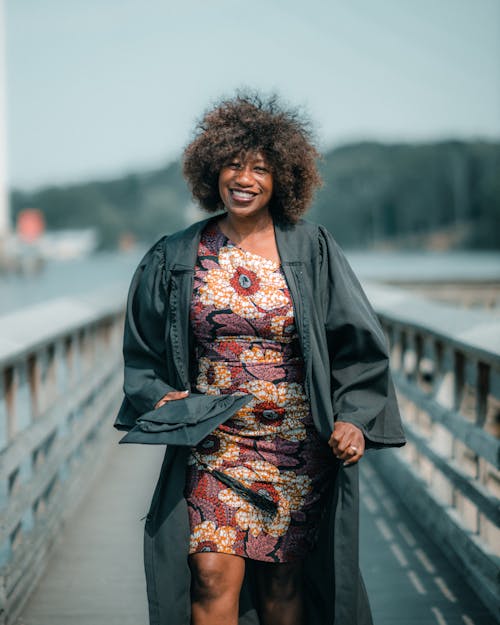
{"type": "Point", "coordinates": [254, 518]}
{"type": "Point", "coordinates": [246, 184]}
{"type": "Point", "coordinates": [251, 126]}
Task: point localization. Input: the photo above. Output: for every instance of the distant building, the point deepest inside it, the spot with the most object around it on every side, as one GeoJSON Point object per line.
{"type": "Point", "coordinates": [4, 208]}
{"type": "Point", "coordinates": [5, 243]}
{"type": "Point", "coordinates": [67, 244]}
{"type": "Point", "coordinates": [30, 225]}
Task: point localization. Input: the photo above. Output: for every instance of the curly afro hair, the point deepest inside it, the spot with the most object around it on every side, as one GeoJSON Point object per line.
{"type": "Point", "coordinates": [249, 123]}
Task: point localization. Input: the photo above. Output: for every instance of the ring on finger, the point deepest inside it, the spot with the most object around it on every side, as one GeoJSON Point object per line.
{"type": "Point", "coordinates": [355, 449]}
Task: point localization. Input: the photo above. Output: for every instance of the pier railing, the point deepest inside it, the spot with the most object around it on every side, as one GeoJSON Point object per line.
{"type": "Point", "coordinates": [446, 364]}
{"type": "Point", "coordinates": [60, 381]}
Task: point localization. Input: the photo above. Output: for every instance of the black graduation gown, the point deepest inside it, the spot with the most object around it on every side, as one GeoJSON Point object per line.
{"type": "Point", "coordinates": [347, 378]}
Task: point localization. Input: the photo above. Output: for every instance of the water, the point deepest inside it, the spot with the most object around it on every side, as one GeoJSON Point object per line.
{"type": "Point", "coordinates": [427, 266]}
{"type": "Point", "coordinates": [73, 278]}
{"type": "Point", "coordinates": [66, 278]}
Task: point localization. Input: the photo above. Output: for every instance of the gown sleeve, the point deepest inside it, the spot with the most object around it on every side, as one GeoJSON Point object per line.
{"type": "Point", "coordinates": [144, 339]}
{"type": "Point", "coordinates": [362, 388]}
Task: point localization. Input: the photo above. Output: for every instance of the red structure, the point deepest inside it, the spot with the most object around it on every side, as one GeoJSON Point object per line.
{"type": "Point", "coordinates": [30, 224]}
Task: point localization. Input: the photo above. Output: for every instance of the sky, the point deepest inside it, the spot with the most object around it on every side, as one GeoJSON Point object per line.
{"type": "Point", "coordinates": [97, 88]}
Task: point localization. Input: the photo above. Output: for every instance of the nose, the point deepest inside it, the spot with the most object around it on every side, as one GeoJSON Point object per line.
{"type": "Point", "coordinates": [244, 176]}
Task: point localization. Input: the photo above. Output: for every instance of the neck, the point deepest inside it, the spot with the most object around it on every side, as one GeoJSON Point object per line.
{"type": "Point", "coordinates": [241, 228]}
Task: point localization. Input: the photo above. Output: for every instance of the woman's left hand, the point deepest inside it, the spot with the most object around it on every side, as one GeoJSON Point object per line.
{"type": "Point", "coordinates": [347, 442]}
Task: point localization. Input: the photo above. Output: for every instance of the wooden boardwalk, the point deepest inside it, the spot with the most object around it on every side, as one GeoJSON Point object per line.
{"type": "Point", "coordinates": [95, 576]}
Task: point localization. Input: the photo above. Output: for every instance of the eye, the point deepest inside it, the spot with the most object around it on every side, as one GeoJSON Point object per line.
{"type": "Point", "coordinates": [261, 170]}
{"type": "Point", "coordinates": [233, 165]}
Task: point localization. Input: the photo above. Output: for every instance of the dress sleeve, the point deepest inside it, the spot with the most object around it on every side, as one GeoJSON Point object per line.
{"type": "Point", "coordinates": [144, 338]}
{"type": "Point", "coordinates": [362, 387]}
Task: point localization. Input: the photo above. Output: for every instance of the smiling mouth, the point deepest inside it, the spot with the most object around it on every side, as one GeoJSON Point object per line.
{"type": "Point", "coordinates": [242, 196]}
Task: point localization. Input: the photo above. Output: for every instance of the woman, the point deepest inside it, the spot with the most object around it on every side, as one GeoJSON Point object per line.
{"type": "Point", "coordinates": [251, 350]}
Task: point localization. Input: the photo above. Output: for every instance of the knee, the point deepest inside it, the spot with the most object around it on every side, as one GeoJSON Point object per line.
{"type": "Point", "coordinates": [210, 582]}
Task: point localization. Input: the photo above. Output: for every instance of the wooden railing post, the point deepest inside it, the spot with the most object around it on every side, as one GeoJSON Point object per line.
{"type": "Point", "coordinates": [448, 384]}
{"type": "Point", "coordinates": [58, 396]}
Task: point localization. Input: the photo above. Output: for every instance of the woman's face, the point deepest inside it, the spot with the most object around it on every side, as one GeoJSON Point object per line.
{"type": "Point", "coordinates": [246, 185]}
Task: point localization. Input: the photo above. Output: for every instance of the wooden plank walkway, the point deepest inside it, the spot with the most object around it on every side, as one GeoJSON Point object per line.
{"type": "Point", "coordinates": [95, 576]}
{"type": "Point", "coordinates": [409, 581]}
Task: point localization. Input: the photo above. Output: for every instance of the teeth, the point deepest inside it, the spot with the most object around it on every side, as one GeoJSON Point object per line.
{"type": "Point", "coordinates": [243, 195]}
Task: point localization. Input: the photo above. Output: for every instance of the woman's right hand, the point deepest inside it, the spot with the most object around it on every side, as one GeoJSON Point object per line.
{"type": "Point", "coordinates": [172, 396]}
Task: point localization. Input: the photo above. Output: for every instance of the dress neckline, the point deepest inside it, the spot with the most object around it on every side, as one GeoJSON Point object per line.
{"type": "Point", "coordinates": [275, 263]}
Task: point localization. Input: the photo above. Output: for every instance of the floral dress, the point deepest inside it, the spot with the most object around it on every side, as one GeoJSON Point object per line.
{"type": "Point", "coordinates": [246, 342]}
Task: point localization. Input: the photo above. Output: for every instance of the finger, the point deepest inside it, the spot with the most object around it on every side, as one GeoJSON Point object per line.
{"type": "Point", "coordinates": [332, 441]}
{"type": "Point", "coordinates": [357, 454]}
{"type": "Point", "coordinates": [173, 395]}
{"type": "Point", "coordinates": [337, 438]}
{"type": "Point", "coordinates": [336, 435]}
{"type": "Point", "coordinates": [343, 445]}
{"type": "Point", "coordinates": [348, 452]}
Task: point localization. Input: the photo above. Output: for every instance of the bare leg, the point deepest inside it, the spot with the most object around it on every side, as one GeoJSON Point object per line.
{"type": "Point", "coordinates": [215, 588]}
{"type": "Point", "coordinates": [280, 593]}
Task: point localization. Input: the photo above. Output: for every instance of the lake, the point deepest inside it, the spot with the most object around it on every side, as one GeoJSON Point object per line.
{"type": "Point", "coordinates": [72, 278]}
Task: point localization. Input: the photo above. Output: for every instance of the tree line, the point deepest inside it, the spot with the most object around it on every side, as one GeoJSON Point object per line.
{"type": "Point", "coordinates": [442, 194]}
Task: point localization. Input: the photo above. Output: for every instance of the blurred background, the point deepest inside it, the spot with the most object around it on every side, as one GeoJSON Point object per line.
{"type": "Point", "coordinates": [97, 100]}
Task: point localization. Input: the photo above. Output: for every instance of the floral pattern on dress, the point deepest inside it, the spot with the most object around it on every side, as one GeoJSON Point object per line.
{"type": "Point", "coordinates": [286, 489]}
{"type": "Point", "coordinates": [213, 377]}
{"type": "Point", "coordinates": [247, 285]}
{"type": "Point", "coordinates": [208, 537]}
{"type": "Point", "coordinates": [246, 342]}
{"type": "Point", "coordinates": [283, 326]}
{"type": "Point", "coordinates": [215, 451]}
{"type": "Point", "coordinates": [276, 410]}
{"type": "Point", "coordinates": [257, 355]}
